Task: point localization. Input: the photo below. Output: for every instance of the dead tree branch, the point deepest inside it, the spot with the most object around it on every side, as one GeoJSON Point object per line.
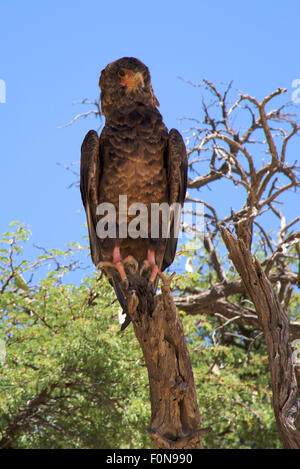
{"type": "Point", "coordinates": [275, 325]}
{"type": "Point", "coordinates": [175, 418]}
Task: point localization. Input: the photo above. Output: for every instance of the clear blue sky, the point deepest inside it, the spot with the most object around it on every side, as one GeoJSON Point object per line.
{"type": "Point", "coordinates": [51, 54]}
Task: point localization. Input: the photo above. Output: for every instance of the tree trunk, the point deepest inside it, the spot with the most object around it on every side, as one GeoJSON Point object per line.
{"type": "Point", "coordinates": [275, 325]}
{"type": "Point", "coordinates": [175, 418]}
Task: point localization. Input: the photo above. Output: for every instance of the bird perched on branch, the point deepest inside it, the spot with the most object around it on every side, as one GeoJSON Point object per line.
{"type": "Point", "coordinates": [137, 161]}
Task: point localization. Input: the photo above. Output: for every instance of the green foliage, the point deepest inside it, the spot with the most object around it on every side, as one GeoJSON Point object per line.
{"type": "Point", "coordinates": [72, 380]}
{"type": "Point", "coordinates": [233, 389]}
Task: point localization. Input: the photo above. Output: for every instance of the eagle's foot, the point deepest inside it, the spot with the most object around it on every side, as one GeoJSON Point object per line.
{"type": "Point", "coordinates": [119, 264]}
{"type": "Point", "coordinates": [160, 274]}
{"type": "Point", "coordinates": [167, 281]}
{"type": "Point", "coordinates": [150, 264]}
{"type": "Point", "coordinates": [125, 284]}
{"type": "Point", "coordinates": [145, 268]}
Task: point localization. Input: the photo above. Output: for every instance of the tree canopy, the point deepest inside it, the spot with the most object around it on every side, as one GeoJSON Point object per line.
{"type": "Point", "coordinates": [70, 379]}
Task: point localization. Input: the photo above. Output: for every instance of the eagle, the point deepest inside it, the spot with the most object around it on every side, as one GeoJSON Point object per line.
{"type": "Point", "coordinates": [136, 160]}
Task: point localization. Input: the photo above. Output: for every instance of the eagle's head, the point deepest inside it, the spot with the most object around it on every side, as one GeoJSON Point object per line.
{"type": "Point", "coordinates": [125, 81]}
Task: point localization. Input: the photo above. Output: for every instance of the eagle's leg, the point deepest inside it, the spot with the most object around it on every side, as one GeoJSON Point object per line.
{"type": "Point", "coordinates": [118, 263]}
{"type": "Point", "coordinates": [151, 263]}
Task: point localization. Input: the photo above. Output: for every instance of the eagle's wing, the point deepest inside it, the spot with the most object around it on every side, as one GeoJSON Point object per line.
{"type": "Point", "coordinates": [176, 166]}
{"type": "Point", "coordinates": [90, 176]}
{"type": "Point", "coordinates": [91, 166]}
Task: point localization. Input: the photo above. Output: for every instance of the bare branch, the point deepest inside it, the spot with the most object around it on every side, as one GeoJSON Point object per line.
{"type": "Point", "coordinates": [275, 325]}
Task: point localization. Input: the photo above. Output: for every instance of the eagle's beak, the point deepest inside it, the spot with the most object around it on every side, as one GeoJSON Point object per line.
{"type": "Point", "coordinates": [133, 80]}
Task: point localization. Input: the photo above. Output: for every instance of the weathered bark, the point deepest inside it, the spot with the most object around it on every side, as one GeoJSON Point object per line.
{"type": "Point", "coordinates": [175, 418]}
{"type": "Point", "coordinates": [275, 325]}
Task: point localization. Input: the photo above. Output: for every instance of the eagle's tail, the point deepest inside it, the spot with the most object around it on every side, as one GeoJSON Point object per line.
{"type": "Point", "coordinates": [141, 287]}
{"type": "Point", "coordinates": [122, 301]}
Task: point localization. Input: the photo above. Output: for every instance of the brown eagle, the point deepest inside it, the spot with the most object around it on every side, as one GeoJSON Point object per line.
{"type": "Point", "coordinates": [137, 158]}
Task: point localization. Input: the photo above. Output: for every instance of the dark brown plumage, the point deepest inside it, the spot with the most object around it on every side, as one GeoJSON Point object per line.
{"type": "Point", "coordinates": [135, 156]}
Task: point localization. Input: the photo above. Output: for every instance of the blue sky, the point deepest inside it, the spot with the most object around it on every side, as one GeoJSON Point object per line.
{"type": "Point", "coordinates": [51, 54]}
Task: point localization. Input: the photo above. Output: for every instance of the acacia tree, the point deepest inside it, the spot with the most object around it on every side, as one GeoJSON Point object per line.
{"type": "Point", "coordinates": [70, 379]}
{"type": "Point", "coordinates": [66, 379]}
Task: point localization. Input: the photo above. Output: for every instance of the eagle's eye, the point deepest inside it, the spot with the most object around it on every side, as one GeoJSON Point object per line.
{"type": "Point", "coordinates": [121, 73]}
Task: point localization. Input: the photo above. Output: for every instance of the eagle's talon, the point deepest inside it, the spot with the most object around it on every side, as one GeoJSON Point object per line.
{"type": "Point", "coordinates": [145, 267]}
{"type": "Point", "coordinates": [116, 264]}
{"type": "Point", "coordinates": [155, 271]}
{"type": "Point", "coordinates": [150, 264]}
{"type": "Point", "coordinates": [125, 284]}
{"type": "Point", "coordinates": [165, 281]}
{"type": "Point", "coordinates": [104, 264]}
